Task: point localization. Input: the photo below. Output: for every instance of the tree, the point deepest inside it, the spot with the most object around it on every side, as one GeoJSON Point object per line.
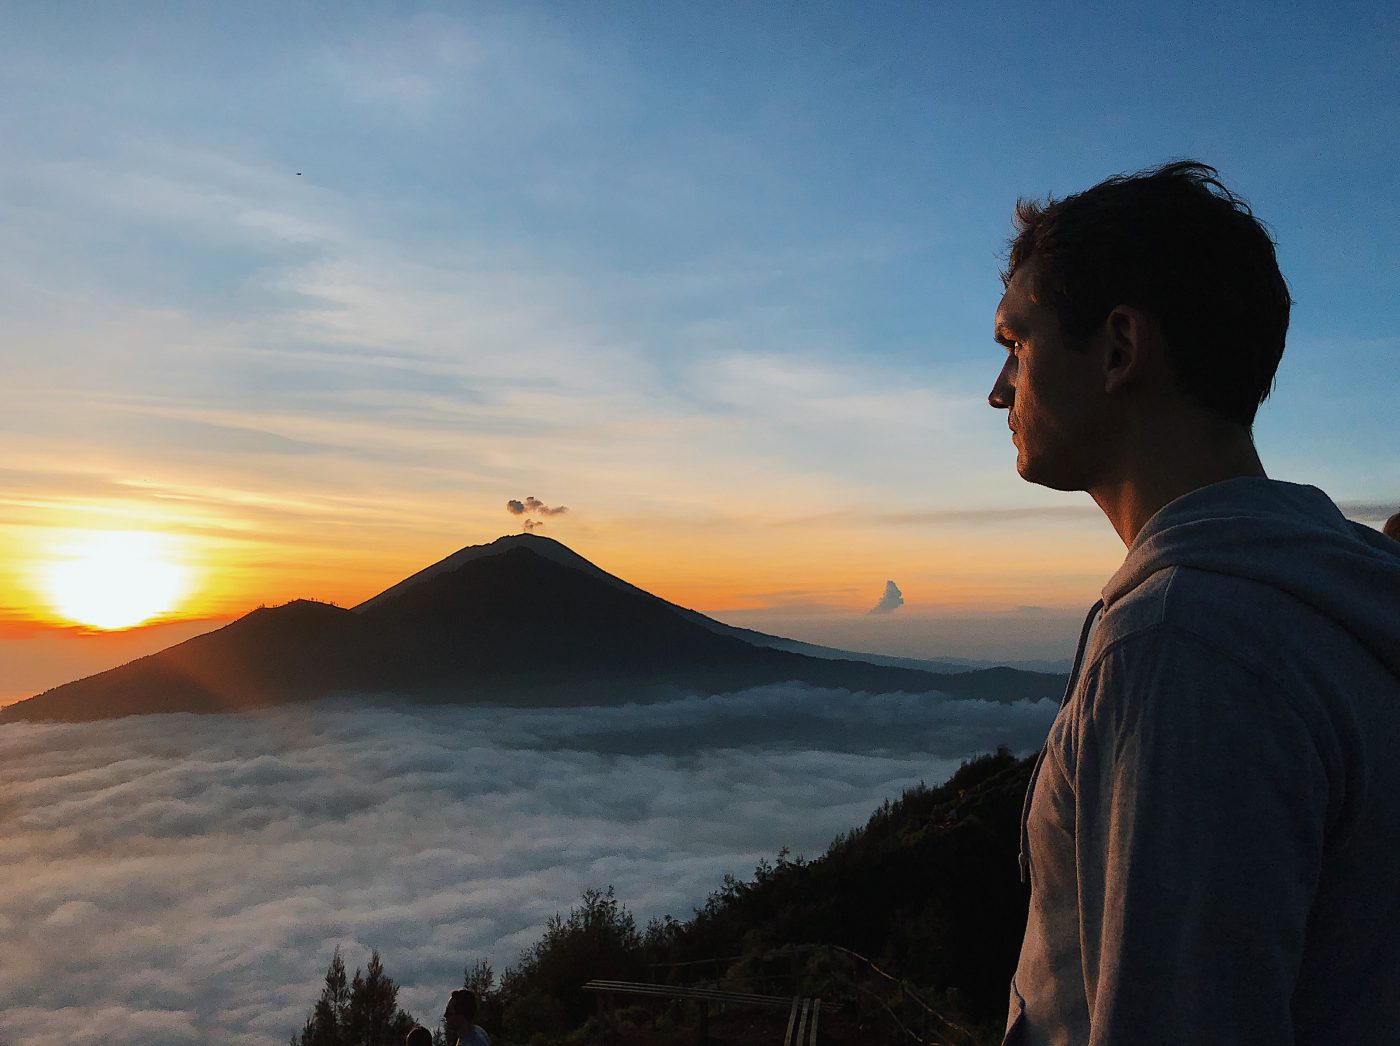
{"type": "Point", "coordinates": [375, 1018]}
{"type": "Point", "coordinates": [598, 939]}
{"type": "Point", "coordinates": [364, 1012]}
{"type": "Point", "coordinates": [480, 978]}
{"type": "Point", "coordinates": [327, 1023]}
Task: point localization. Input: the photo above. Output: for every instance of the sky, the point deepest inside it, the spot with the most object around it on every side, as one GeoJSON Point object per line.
{"type": "Point", "coordinates": [186, 879]}
{"type": "Point", "coordinates": [295, 298]}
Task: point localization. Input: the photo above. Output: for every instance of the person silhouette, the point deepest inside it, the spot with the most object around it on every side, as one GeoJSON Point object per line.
{"type": "Point", "coordinates": [1210, 833]}
{"type": "Point", "coordinates": [459, 1020]}
{"type": "Point", "coordinates": [419, 1036]}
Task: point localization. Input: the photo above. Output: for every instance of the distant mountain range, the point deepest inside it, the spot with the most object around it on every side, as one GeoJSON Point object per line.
{"type": "Point", "coordinates": [523, 620]}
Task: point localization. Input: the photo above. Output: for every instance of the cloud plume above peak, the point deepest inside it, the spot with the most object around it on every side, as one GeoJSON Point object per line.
{"type": "Point", "coordinates": [530, 508]}
{"type": "Point", "coordinates": [533, 506]}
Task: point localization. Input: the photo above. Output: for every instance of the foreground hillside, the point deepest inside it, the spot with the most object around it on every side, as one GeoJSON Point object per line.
{"type": "Point", "coordinates": [907, 928]}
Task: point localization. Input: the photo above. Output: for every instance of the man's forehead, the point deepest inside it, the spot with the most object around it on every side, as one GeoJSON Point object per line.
{"type": "Point", "coordinates": [1019, 295]}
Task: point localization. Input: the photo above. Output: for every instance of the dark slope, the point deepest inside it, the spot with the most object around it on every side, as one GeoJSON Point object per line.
{"type": "Point", "coordinates": [297, 651]}
{"type": "Point", "coordinates": [531, 625]}
{"type": "Point", "coordinates": [926, 896]}
{"type": "Point", "coordinates": [560, 553]}
{"type": "Point", "coordinates": [519, 624]}
{"type": "Point", "coordinates": [554, 551]}
{"type": "Point", "coordinates": [929, 887]}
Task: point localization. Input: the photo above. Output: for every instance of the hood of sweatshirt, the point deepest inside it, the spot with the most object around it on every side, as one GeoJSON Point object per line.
{"type": "Point", "coordinates": [1285, 535]}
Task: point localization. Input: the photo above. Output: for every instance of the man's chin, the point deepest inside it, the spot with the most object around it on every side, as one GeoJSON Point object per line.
{"type": "Point", "coordinates": [1037, 473]}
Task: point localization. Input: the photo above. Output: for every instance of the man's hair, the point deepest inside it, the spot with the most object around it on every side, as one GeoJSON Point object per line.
{"type": "Point", "coordinates": [419, 1036]}
{"type": "Point", "coordinates": [463, 1001]}
{"type": "Point", "coordinates": [1178, 245]}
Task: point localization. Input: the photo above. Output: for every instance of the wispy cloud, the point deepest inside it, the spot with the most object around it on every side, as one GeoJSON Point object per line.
{"type": "Point", "coordinates": [994, 515]}
{"type": "Point", "coordinates": [1370, 511]}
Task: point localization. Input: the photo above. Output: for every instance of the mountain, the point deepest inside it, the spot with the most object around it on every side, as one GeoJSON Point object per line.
{"type": "Point", "coordinates": [562, 554]}
{"type": "Point", "coordinates": [939, 665]}
{"type": "Point", "coordinates": [523, 620]}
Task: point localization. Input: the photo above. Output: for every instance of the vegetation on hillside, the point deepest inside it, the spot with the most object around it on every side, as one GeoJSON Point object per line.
{"type": "Point", "coordinates": [363, 1011]}
{"type": "Point", "coordinates": [909, 925]}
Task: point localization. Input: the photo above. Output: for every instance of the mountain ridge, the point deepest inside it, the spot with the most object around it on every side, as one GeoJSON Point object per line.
{"type": "Point", "coordinates": [523, 620]}
{"type": "Point", "coordinates": [561, 553]}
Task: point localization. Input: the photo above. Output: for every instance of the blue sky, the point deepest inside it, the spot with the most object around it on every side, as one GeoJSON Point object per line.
{"type": "Point", "coordinates": [719, 277]}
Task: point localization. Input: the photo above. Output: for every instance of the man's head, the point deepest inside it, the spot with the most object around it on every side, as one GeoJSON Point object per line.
{"type": "Point", "coordinates": [460, 1017]}
{"type": "Point", "coordinates": [1177, 245]}
{"type": "Point", "coordinates": [1392, 527]}
{"type": "Point", "coordinates": [419, 1036]}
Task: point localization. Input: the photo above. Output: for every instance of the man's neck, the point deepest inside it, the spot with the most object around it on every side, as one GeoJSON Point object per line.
{"type": "Point", "coordinates": [1154, 470]}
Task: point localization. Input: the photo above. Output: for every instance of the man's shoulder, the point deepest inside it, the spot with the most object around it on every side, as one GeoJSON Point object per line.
{"type": "Point", "coordinates": [1204, 617]}
{"type": "Point", "coordinates": [1201, 603]}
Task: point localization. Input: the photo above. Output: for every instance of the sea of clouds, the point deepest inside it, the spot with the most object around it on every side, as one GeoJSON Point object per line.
{"type": "Point", "coordinates": [185, 879]}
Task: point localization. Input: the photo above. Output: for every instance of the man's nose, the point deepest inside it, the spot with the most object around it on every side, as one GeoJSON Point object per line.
{"type": "Point", "coordinates": [1003, 393]}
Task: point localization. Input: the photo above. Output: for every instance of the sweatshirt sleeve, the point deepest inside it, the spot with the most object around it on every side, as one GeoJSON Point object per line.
{"type": "Point", "coordinates": [1200, 815]}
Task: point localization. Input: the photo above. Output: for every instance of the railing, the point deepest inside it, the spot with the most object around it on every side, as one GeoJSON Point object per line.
{"type": "Point", "coordinates": [803, 1014]}
{"type": "Point", "coordinates": [944, 1032]}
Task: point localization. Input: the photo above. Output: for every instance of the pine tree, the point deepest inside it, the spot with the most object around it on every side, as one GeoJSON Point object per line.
{"type": "Point", "coordinates": [360, 1012]}
{"type": "Point", "coordinates": [373, 1015]}
{"type": "Point", "coordinates": [327, 1024]}
{"type": "Point", "coordinates": [480, 978]}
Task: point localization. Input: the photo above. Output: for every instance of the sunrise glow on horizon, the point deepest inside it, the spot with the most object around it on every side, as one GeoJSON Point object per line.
{"type": "Point", "coordinates": [723, 285]}
{"type": "Point", "coordinates": [113, 580]}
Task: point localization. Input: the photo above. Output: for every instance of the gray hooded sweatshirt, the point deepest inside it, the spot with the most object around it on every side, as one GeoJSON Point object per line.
{"type": "Point", "coordinates": [1213, 830]}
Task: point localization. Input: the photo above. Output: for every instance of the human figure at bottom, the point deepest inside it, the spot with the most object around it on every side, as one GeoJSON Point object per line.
{"type": "Point", "coordinates": [460, 1020]}
{"type": "Point", "coordinates": [419, 1036]}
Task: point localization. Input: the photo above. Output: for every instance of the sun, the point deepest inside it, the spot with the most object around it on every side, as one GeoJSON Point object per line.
{"type": "Point", "coordinates": [115, 579]}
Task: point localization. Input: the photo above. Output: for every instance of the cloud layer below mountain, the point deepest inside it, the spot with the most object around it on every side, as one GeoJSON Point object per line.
{"type": "Point", "coordinates": [184, 879]}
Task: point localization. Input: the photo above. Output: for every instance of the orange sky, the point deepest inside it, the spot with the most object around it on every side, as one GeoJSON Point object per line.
{"type": "Point", "coordinates": [815, 580]}
{"type": "Point", "coordinates": [967, 560]}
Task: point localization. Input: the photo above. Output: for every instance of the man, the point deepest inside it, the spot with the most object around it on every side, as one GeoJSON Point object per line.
{"type": "Point", "coordinates": [1392, 527]}
{"type": "Point", "coordinates": [1212, 832]}
{"type": "Point", "coordinates": [459, 1020]}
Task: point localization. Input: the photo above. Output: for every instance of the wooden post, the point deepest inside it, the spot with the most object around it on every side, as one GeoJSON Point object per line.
{"type": "Point", "coordinates": [802, 1023]}
{"type": "Point", "coordinates": [792, 1022]}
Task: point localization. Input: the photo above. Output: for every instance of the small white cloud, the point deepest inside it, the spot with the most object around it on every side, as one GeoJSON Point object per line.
{"type": "Point", "coordinates": [891, 600]}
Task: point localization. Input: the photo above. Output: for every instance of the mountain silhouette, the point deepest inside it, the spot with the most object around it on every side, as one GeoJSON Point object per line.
{"type": "Point", "coordinates": [523, 620]}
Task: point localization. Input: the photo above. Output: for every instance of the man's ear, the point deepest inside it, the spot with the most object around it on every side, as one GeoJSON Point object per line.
{"type": "Point", "coordinates": [1131, 344]}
